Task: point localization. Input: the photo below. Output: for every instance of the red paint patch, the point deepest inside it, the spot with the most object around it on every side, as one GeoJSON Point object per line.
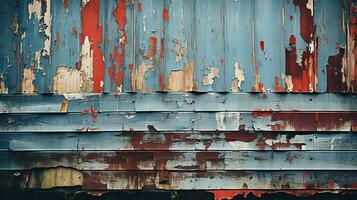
{"type": "Point", "coordinates": [153, 47]}
{"type": "Point", "coordinates": [162, 83]}
{"type": "Point", "coordinates": [94, 31]}
{"type": "Point", "coordinates": [277, 86]}
{"type": "Point", "coordinates": [302, 80]}
{"type": "Point", "coordinates": [165, 15]}
{"type": "Point", "coordinates": [240, 136]}
{"type": "Point", "coordinates": [162, 49]}
{"type": "Point", "coordinates": [335, 76]}
{"type": "Point", "coordinates": [65, 4]}
{"type": "Point", "coordinates": [262, 46]}
{"type": "Point", "coordinates": [306, 21]}
{"type": "Point", "coordinates": [116, 71]}
{"type": "Point", "coordinates": [140, 7]}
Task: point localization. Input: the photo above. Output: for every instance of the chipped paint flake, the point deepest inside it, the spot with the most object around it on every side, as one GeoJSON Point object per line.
{"type": "Point", "coordinates": [54, 177]}
{"type": "Point", "coordinates": [140, 78]}
{"type": "Point", "coordinates": [179, 51]}
{"type": "Point", "coordinates": [182, 79]}
{"type": "Point", "coordinates": [67, 80]}
{"type": "Point", "coordinates": [34, 8]}
{"type": "Point", "coordinates": [84, 2]}
{"type": "Point", "coordinates": [310, 6]}
{"type": "Point", "coordinates": [239, 77]}
{"type": "Point", "coordinates": [3, 88]}
{"type": "Point", "coordinates": [289, 83]}
{"type": "Point", "coordinates": [47, 23]}
{"type": "Point", "coordinates": [208, 79]}
{"type": "Point", "coordinates": [27, 82]}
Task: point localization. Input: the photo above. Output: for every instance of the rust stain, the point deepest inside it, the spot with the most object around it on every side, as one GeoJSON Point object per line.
{"type": "Point", "coordinates": [182, 79]}
{"type": "Point", "coordinates": [336, 80]}
{"type": "Point", "coordinates": [302, 76]}
{"type": "Point", "coordinates": [277, 86]}
{"type": "Point", "coordinates": [64, 106]}
{"type": "Point", "coordinates": [27, 83]}
{"type": "Point", "coordinates": [92, 56]}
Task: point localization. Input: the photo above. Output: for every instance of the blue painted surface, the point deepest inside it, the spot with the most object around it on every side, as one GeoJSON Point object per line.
{"type": "Point", "coordinates": [167, 125]}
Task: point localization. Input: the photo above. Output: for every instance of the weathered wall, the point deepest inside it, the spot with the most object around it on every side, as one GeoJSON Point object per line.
{"type": "Point", "coordinates": [67, 46]}
{"type": "Point", "coordinates": [246, 96]}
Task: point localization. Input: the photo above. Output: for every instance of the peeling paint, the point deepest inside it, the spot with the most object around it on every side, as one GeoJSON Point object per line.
{"type": "Point", "coordinates": [352, 48]}
{"type": "Point", "coordinates": [3, 88]}
{"type": "Point", "coordinates": [239, 77]}
{"type": "Point", "coordinates": [182, 79]}
{"type": "Point", "coordinates": [34, 8]}
{"type": "Point", "coordinates": [87, 66]}
{"type": "Point", "coordinates": [67, 80]}
{"type": "Point", "coordinates": [64, 106]}
{"type": "Point", "coordinates": [54, 177]}
{"type": "Point", "coordinates": [180, 51]}
{"type": "Point", "coordinates": [91, 38]}
{"type": "Point", "coordinates": [208, 79]}
{"type": "Point", "coordinates": [227, 120]}
{"type": "Point", "coordinates": [27, 83]}
{"type": "Point", "coordinates": [140, 76]}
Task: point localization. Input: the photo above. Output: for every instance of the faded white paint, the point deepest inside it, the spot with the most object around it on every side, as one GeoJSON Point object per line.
{"type": "Point", "coordinates": [37, 62]}
{"type": "Point", "coordinates": [35, 8]}
{"type": "Point", "coordinates": [87, 66]}
{"type": "Point", "coordinates": [239, 77]}
{"type": "Point", "coordinates": [208, 79]}
{"type": "Point", "coordinates": [289, 83]}
{"type": "Point", "coordinates": [67, 80]}
{"type": "Point", "coordinates": [227, 121]}
{"type": "Point", "coordinates": [84, 2]}
{"type": "Point", "coordinates": [310, 6]}
{"type": "Point", "coordinates": [47, 22]}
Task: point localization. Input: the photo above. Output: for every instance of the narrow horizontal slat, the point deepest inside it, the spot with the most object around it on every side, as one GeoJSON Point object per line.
{"type": "Point", "coordinates": [127, 102]}
{"type": "Point", "coordinates": [221, 180]}
{"type": "Point", "coordinates": [180, 121]}
{"type": "Point", "coordinates": [180, 160]}
{"type": "Point", "coordinates": [245, 180]}
{"type": "Point", "coordinates": [188, 141]}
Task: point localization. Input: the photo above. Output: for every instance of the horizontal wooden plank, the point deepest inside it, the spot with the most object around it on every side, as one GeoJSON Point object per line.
{"type": "Point", "coordinates": [105, 180]}
{"type": "Point", "coordinates": [181, 160]}
{"type": "Point", "coordinates": [180, 121]}
{"type": "Point", "coordinates": [188, 141]}
{"type": "Point", "coordinates": [169, 180]}
{"type": "Point", "coordinates": [127, 102]}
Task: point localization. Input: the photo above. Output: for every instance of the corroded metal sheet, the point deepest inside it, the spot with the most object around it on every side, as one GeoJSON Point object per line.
{"type": "Point", "coordinates": [228, 96]}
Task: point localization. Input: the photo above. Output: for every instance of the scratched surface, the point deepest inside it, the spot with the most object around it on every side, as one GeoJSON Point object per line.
{"type": "Point", "coordinates": [178, 94]}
